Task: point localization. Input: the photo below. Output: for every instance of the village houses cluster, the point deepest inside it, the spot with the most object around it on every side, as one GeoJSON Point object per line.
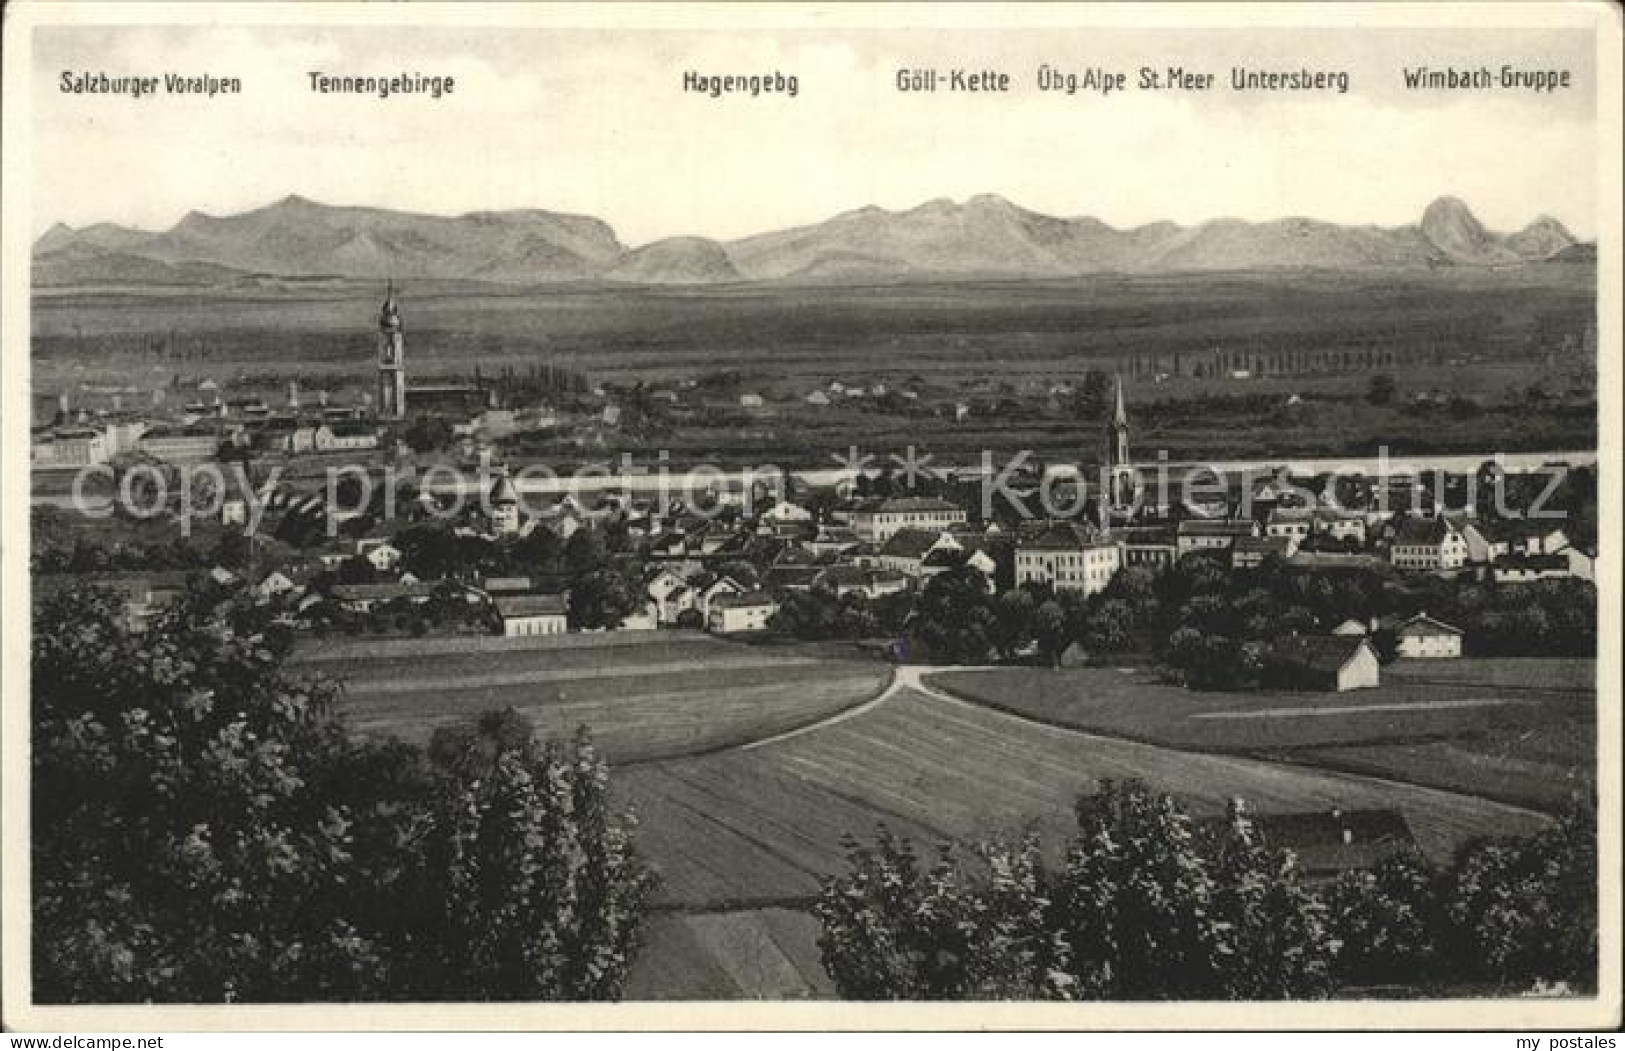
{"type": "Point", "coordinates": [727, 570]}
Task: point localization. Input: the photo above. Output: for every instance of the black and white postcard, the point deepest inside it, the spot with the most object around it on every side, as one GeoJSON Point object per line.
{"type": "Point", "coordinates": [761, 516]}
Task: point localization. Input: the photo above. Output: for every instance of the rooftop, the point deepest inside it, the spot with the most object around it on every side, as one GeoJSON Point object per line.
{"type": "Point", "coordinates": [531, 606]}
{"type": "Point", "coordinates": [1060, 536]}
{"type": "Point", "coordinates": [1329, 842]}
{"type": "Point", "coordinates": [743, 600]}
{"type": "Point", "coordinates": [1217, 527]}
{"type": "Point", "coordinates": [904, 504]}
{"type": "Point", "coordinates": [1323, 653]}
{"type": "Point", "coordinates": [910, 543]}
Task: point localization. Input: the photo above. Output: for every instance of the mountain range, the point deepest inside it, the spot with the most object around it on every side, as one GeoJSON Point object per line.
{"type": "Point", "coordinates": [984, 236]}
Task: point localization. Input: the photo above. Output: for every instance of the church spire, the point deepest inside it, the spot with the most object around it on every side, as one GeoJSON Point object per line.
{"type": "Point", "coordinates": [1119, 475]}
{"type": "Point", "coordinates": [391, 358]}
{"type": "Point", "coordinates": [1117, 431]}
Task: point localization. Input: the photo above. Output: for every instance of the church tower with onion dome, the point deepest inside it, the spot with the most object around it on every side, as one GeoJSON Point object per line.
{"type": "Point", "coordinates": [391, 360]}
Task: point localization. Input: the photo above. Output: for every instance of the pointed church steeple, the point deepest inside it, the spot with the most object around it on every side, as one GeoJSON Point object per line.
{"type": "Point", "coordinates": [1117, 472]}
{"type": "Point", "coordinates": [1118, 437]}
{"type": "Point", "coordinates": [391, 358]}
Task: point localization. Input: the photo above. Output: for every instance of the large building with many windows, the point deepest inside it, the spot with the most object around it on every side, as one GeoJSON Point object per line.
{"type": "Point", "coordinates": [1428, 544]}
{"type": "Point", "coordinates": [1068, 557]}
{"type": "Point", "coordinates": [875, 521]}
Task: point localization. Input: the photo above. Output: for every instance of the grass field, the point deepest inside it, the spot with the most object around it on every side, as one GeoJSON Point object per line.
{"type": "Point", "coordinates": [751, 954]}
{"type": "Point", "coordinates": [1521, 731]}
{"type": "Point", "coordinates": [756, 828]}
{"type": "Point", "coordinates": [650, 699]}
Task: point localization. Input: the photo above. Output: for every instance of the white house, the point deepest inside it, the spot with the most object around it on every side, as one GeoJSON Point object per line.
{"type": "Point", "coordinates": [532, 615]}
{"type": "Point", "coordinates": [380, 553]}
{"type": "Point", "coordinates": [746, 611]}
{"type": "Point", "coordinates": [670, 594]}
{"type": "Point", "coordinates": [1424, 636]}
{"type": "Point", "coordinates": [1292, 523]}
{"type": "Point", "coordinates": [275, 583]}
{"type": "Point", "coordinates": [708, 595]}
{"type": "Point", "coordinates": [785, 511]}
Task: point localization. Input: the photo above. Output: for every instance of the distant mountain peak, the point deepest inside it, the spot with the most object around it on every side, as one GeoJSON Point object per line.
{"type": "Point", "coordinates": [1449, 210]}
{"type": "Point", "coordinates": [676, 261]}
{"type": "Point", "coordinates": [59, 236]}
{"type": "Point", "coordinates": [1452, 228]}
{"type": "Point", "coordinates": [1546, 222]}
{"type": "Point", "coordinates": [1541, 239]}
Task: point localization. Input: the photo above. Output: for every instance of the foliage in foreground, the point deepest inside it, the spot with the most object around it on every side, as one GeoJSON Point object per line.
{"type": "Point", "coordinates": [1146, 905]}
{"type": "Point", "coordinates": [205, 831]}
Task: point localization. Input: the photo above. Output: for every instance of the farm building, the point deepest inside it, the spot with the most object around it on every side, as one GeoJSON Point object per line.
{"type": "Point", "coordinates": [1328, 843]}
{"type": "Point", "coordinates": [361, 598]}
{"type": "Point", "coordinates": [532, 615]}
{"type": "Point", "coordinates": [1327, 662]}
{"type": "Point", "coordinates": [1491, 540]}
{"type": "Point", "coordinates": [1423, 636]}
{"type": "Point", "coordinates": [747, 611]}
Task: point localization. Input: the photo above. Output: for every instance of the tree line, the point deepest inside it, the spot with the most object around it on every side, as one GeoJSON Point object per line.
{"type": "Point", "coordinates": [1211, 627]}
{"type": "Point", "coordinates": [206, 829]}
{"type": "Point", "coordinates": [1147, 904]}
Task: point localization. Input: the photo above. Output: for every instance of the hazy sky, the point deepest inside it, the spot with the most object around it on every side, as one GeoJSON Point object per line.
{"type": "Point", "coordinates": [593, 122]}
